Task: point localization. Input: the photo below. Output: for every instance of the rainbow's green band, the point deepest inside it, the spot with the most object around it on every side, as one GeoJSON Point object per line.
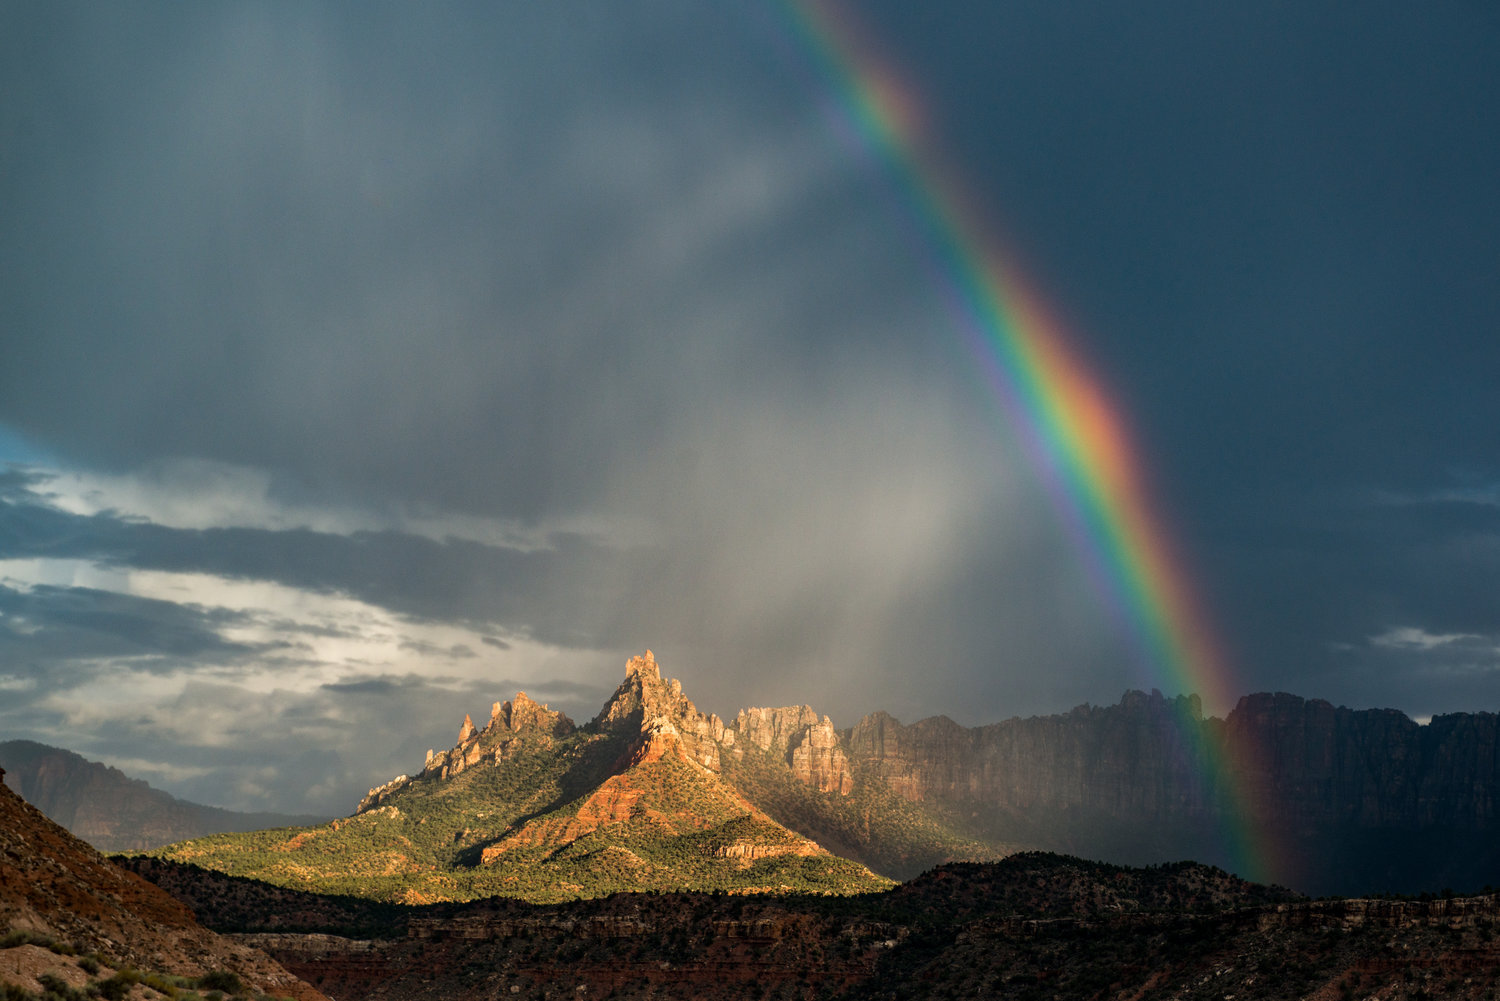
{"type": "Point", "coordinates": [1059, 409]}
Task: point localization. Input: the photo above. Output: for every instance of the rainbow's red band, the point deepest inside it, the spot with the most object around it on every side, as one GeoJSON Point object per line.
{"type": "Point", "coordinates": [1061, 412]}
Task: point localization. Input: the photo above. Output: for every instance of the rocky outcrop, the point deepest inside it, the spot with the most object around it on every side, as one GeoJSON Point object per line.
{"type": "Point", "coordinates": [751, 850]}
{"type": "Point", "coordinates": [773, 730]}
{"type": "Point", "coordinates": [645, 701]}
{"type": "Point", "coordinates": [818, 760]}
{"type": "Point", "coordinates": [810, 746]}
{"type": "Point", "coordinates": [512, 725]}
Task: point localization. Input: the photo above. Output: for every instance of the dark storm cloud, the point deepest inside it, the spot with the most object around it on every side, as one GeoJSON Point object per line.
{"type": "Point", "coordinates": [1312, 594]}
{"type": "Point", "coordinates": [1275, 228]}
{"type": "Point", "coordinates": [614, 271]}
{"type": "Point", "coordinates": [383, 686]}
{"type": "Point", "coordinates": [605, 275]}
{"type": "Point", "coordinates": [44, 627]}
{"type": "Point", "coordinates": [447, 259]}
{"type": "Point", "coordinates": [76, 639]}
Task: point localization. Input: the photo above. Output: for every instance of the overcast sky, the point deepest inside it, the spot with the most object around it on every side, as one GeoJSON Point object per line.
{"type": "Point", "coordinates": [362, 364]}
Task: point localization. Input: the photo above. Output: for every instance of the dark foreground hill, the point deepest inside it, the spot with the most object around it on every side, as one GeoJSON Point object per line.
{"type": "Point", "coordinates": [1033, 926]}
{"type": "Point", "coordinates": [112, 811]}
{"type": "Point", "coordinates": [68, 914]}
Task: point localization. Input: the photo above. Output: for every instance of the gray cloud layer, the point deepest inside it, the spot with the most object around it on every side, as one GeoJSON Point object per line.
{"type": "Point", "coordinates": [604, 278]}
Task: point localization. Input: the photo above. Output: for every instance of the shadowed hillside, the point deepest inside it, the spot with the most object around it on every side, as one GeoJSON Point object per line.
{"type": "Point", "coordinates": [66, 908]}
{"type": "Point", "coordinates": [1034, 926]}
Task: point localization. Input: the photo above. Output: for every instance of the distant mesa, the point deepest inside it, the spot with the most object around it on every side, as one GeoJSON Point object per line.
{"type": "Point", "coordinates": [112, 811]}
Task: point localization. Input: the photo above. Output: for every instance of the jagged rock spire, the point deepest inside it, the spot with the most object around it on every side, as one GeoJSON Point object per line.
{"type": "Point", "coordinates": [645, 701]}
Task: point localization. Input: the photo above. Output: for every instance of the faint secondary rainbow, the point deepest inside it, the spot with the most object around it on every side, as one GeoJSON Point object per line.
{"type": "Point", "coordinates": [1075, 435]}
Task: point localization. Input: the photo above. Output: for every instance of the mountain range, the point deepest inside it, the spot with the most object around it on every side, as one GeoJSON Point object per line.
{"type": "Point", "coordinates": [654, 794]}
{"type": "Point", "coordinates": [110, 810]}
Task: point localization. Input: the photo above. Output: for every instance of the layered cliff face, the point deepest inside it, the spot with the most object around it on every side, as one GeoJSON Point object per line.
{"type": "Point", "coordinates": [1317, 765]}
{"type": "Point", "coordinates": [1141, 757]}
{"type": "Point", "coordinates": [810, 746]}
{"type": "Point", "coordinates": [1349, 800]}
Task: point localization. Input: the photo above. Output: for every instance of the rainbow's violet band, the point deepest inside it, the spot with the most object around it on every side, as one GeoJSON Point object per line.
{"type": "Point", "coordinates": [1075, 436]}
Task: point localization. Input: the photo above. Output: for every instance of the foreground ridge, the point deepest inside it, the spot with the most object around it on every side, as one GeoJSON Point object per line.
{"type": "Point", "coordinates": [60, 899]}
{"type": "Point", "coordinates": [1034, 925]}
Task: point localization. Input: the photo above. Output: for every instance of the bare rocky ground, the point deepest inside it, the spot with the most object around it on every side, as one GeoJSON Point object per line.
{"type": "Point", "coordinates": [60, 898]}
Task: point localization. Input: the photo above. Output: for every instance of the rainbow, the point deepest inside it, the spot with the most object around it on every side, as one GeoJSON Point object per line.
{"type": "Point", "coordinates": [1074, 434]}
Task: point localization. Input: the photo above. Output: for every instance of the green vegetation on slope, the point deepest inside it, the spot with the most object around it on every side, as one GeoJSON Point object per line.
{"type": "Point", "coordinates": [550, 822]}
{"type": "Point", "coordinates": [872, 824]}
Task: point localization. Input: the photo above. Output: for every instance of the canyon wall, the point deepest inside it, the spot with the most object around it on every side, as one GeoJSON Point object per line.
{"type": "Point", "coordinates": [1336, 799]}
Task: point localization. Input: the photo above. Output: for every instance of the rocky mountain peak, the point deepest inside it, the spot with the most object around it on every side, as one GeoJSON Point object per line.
{"type": "Point", "coordinates": [644, 665]}
{"type": "Point", "coordinates": [521, 721]}
{"type": "Point", "coordinates": [524, 714]}
{"type": "Point", "coordinates": [645, 701]}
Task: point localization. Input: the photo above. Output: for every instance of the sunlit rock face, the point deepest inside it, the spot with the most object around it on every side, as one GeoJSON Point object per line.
{"type": "Point", "coordinates": [645, 701]}
{"type": "Point", "coordinates": [809, 745]}
{"type": "Point", "coordinates": [818, 760]}
{"type": "Point", "coordinates": [773, 729]}
{"type": "Point", "coordinates": [1146, 780]}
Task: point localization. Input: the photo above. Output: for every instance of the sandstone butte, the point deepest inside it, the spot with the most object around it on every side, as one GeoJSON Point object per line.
{"type": "Point", "coordinates": [667, 721]}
